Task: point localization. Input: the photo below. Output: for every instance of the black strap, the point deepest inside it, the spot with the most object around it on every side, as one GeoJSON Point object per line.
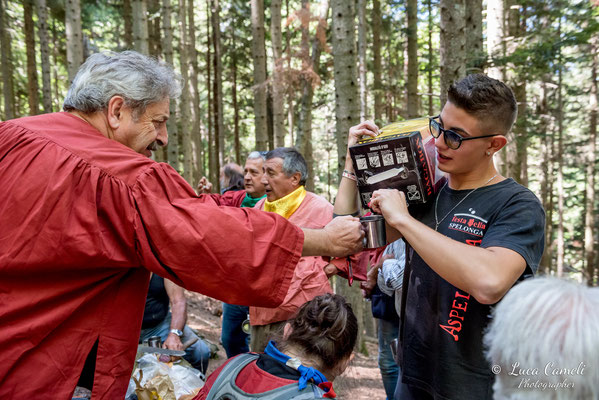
{"type": "Point", "coordinates": [404, 297]}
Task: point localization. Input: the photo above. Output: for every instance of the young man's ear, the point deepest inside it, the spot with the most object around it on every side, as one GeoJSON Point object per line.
{"type": "Point", "coordinates": [497, 143]}
{"type": "Point", "coordinates": [114, 111]}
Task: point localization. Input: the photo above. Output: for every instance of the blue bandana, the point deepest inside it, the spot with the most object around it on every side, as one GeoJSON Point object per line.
{"type": "Point", "coordinates": [308, 373]}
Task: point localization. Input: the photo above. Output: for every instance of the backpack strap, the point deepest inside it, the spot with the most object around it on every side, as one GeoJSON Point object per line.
{"type": "Point", "coordinates": [225, 388]}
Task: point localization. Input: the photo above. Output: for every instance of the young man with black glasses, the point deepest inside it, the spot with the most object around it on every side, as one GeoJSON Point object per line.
{"type": "Point", "coordinates": [481, 235]}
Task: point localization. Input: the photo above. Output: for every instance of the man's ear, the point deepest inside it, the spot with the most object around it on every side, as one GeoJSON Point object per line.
{"type": "Point", "coordinates": [497, 143]}
{"type": "Point", "coordinates": [115, 111]}
{"type": "Point", "coordinates": [296, 179]}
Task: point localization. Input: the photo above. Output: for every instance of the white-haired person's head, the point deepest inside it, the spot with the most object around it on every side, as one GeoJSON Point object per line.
{"type": "Point", "coordinates": [543, 342]}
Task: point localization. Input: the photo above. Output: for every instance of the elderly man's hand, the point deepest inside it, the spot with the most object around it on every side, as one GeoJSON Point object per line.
{"type": "Point", "coordinates": [204, 186]}
{"type": "Point", "coordinates": [344, 236]}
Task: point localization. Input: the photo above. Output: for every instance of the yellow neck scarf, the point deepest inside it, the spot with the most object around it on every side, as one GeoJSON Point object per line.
{"type": "Point", "coordinates": [287, 205]}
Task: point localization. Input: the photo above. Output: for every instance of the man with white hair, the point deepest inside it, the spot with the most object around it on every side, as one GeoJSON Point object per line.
{"type": "Point", "coordinates": [86, 216]}
{"type": "Point", "coordinates": [543, 342]}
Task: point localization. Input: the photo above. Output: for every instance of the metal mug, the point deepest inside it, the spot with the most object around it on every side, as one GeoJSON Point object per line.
{"type": "Point", "coordinates": [375, 231]}
{"type": "Point", "coordinates": [154, 341]}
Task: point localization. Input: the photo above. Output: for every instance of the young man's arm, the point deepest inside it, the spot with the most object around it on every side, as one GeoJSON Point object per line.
{"type": "Point", "coordinates": [485, 273]}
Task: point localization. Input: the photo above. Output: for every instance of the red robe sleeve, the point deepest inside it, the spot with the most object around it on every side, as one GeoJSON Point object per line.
{"type": "Point", "coordinates": [239, 255]}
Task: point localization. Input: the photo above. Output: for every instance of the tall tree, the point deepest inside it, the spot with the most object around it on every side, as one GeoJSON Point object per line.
{"type": "Point", "coordinates": [171, 124]}
{"type": "Point", "coordinates": [42, 30]}
{"type": "Point", "coordinates": [278, 82]}
{"type": "Point", "coordinates": [140, 26]}
{"type": "Point", "coordinates": [378, 94]}
{"type": "Point", "coordinates": [128, 24]}
{"type": "Point", "coordinates": [474, 36]}
{"type": "Point", "coordinates": [194, 72]}
{"type": "Point", "coordinates": [452, 44]}
{"type": "Point", "coordinates": [32, 86]}
{"type": "Point", "coordinates": [495, 37]}
{"type": "Point", "coordinates": [184, 103]}
{"type": "Point", "coordinates": [517, 155]}
{"type": "Point", "coordinates": [546, 176]}
{"type": "Point", "coordinates": [74, 37]}
{"type": "Point", "coordinates": [591, 160]}
{"type": "Point", "coordinates": [429, 68]}
{"type": "Point", "coordinates": [154, 43]}
{"type": "Point", "coordinates": [362, 28]}
{"type": "Point", "coordinates": [412, 81]}
{"type": "Point", "coordinates": [7, 68]}
{"type": "Point", "coordinates": [237, 143]}
{"type": "Point", "coordinates": [217, 92]}
{"type": "Point", "coordinates": [310, 78]}
{"type": "Point", "coordinates": [259, 60]}
{"type": "Point", "coordinates": [560, 158]}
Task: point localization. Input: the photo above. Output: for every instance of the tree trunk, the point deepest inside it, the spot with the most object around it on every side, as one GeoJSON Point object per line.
{"type": "Point", "coordinates": [7, 68]}
{"type": "Point", "coordinates": [546, 178]}
{"type": "Point", "coordinates": [412, 81]}
{"type": "Point", "coordinates": [306, 78]}
{"type": "Point", "coordinates": [42, 30]}
{"type": "Point", "coordinates": [378, 94]}
{"type": "Point", "coordinates": [154, 45]}
{"type": "Point", "coordinates": [452, 44]}
{"type": "Point", "coordinates": [347, 110]}
{"type": "Point", "coordinates": [74, 37]}
{"type": "Point", "coordinates": [234, 98]}
{"type": "Point", "coordinates": [517, 163]}
{"type": "Point", "coordinates": [219, 126]}
{"type": "Point", "coordinates": [429, 68]}
{"type": "Point", "coordinates": [196, 131]}
{"type": "Point", "coordinates": [278, 82]}
{"type": "Point", "coordinates": [171, 124]}
{"type": "Point", "coordinates": [128, 24]}
{"type": "Point", "coordinates": [140, 26]}
{"type": "Point", "coordinates": [495, 37]}
{"type": "Point", "coordinates": [310, 67]}
{"type": "Point", "coordinates": [290, 88]}
{"type": "Point", "coordinates": [474, 36]}
{"type": "Point", "coordinates": [32, 86]}
{"type": "Point", "coordinates": [212, 149]}
{"type": "Point", "coordinates": [184, 103]}
{"type": "Point", "coordinates": [362, 28]}
{"type": "Point", "coordinates": [591, 160]}
{"type": "Point", "coordinates": [259, 60]}
{"type": "Point", "coordinates": [560, 163]}
{"type": "Point", "coordinates": [346, 90]}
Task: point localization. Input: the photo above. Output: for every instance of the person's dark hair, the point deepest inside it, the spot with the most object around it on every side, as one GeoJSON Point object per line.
{"type": "Point", "coordinates": [234, 178]}
{"type": "Point", "coordinates": [293, 162]}
{"type": "Point", "coordinates": [490, 101]}
{"type": "Point", "coordinates": [326, 328]}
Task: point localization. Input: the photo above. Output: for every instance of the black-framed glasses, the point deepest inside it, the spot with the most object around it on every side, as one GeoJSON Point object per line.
{"type": "Point", "coordinates": [453, 140]}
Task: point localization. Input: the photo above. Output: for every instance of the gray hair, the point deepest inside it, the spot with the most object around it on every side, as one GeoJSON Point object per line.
{"type": "Point", "coordinates": [139, 79]}
{"type": "Point", "coordinates": [544, 339]}
{"type": "Point", "coordinates": [255, 155]}
{"type": "Point", "coordinates": [293, 162]}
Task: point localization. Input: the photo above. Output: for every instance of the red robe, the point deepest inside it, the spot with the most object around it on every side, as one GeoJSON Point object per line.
{"type": "Point", "coordinates": [83, 222]}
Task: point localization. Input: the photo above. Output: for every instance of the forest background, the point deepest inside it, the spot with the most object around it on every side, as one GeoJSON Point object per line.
{"type": "Point", "coordinates": [262, 74]}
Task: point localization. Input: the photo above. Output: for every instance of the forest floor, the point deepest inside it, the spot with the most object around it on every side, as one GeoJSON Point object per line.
{"type": "Point", "coordinates": [361, 381]}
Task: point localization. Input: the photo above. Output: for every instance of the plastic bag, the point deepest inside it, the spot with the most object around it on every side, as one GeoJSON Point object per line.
{"type": "Point", "coordinates": [185, 379]}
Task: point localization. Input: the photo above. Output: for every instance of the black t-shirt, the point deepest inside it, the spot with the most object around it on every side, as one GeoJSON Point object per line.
{"type": "Point", "coordinates": [444, 326]}
{"type": "Point", "coordinates": [157, 303]}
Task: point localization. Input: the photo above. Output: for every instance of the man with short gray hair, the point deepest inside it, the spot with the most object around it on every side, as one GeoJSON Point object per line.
{"type": "Point", "coordinates": [285, 174]}
{"type": "Point", "coordinates": [542, 342]}
{"type": "Point", "coordinates": [86, 216]}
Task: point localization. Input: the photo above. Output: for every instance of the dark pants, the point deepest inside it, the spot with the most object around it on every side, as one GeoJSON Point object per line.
{"type": "Point", "coordinates": [234, 340]}
{"type": "Point", "coordinates": [409, 392]}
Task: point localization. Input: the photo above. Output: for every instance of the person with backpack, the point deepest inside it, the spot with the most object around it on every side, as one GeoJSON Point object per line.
{"type": "Point", "coordinates": [314, 348]}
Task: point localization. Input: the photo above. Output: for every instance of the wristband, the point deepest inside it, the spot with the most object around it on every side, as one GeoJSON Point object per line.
{"type": "Point", "coordinates": [349, 175]}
